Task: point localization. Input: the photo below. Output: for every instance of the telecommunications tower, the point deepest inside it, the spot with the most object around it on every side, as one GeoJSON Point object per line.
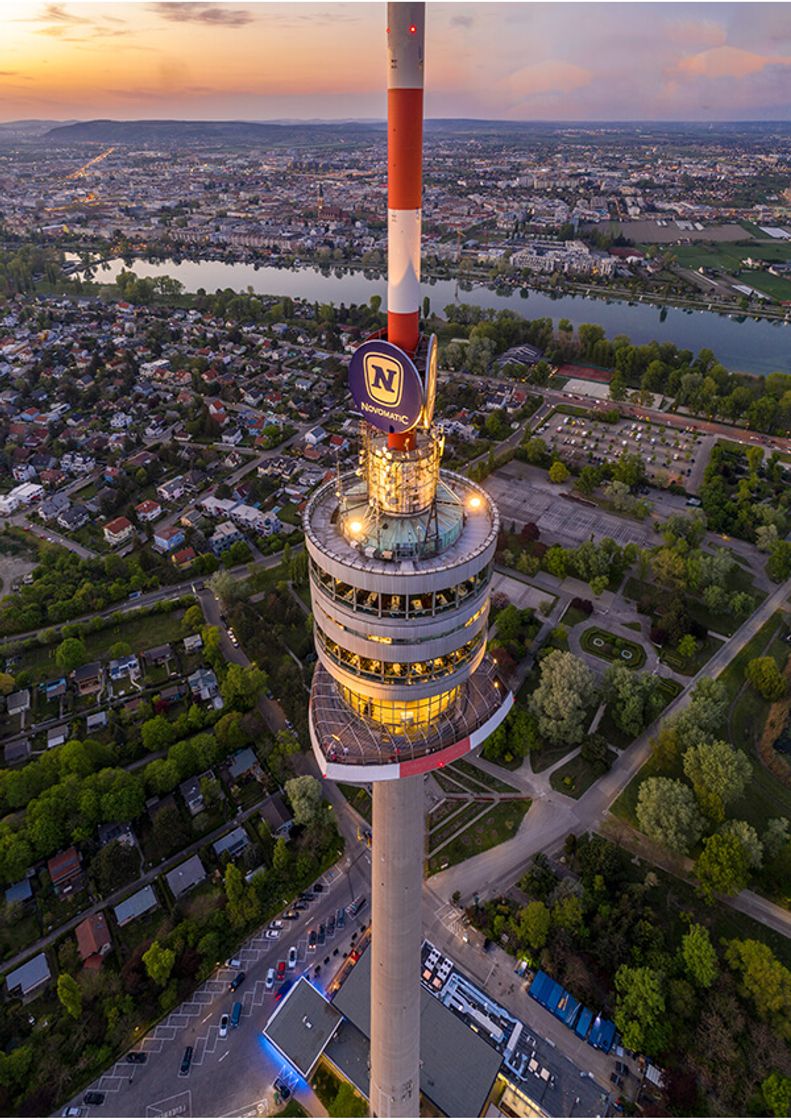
{"type": "Point", "coordinates": [400, 556]}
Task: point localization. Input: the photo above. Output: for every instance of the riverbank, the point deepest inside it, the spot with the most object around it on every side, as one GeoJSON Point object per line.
{"type": "Point", "coordinates": [748, 346]}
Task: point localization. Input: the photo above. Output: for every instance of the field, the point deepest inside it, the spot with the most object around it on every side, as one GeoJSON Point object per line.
{"type": "Point", "coordinates": [576, 776]}
{"type": "Point", "coordinates": [500, 823]}
{"type": "Point", "coordinates": [729, 256]}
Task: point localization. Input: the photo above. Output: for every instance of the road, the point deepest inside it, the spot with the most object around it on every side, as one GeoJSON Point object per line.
{"type": "Point", "coordinates": [553, 816]}
{"type": "Point", "coordinates": [234, 1076]}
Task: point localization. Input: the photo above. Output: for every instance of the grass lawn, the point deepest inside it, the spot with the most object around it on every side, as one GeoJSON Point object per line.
{"type": "Point", "coordinates": [467, 813]}
{"type": "Point", "coordinates": [499, 824]}
{"type": "Point", "coordinates": [547, 756]}
{"type": "Point", "coordinates": [449, 784]}
{"type": "Point", "coordinates": [610, 647]}
{"type": "Point", "coordinates": [482, 777]}
{"type": "Point", "coordinates": [572, 616]}
{"type": "Point", "coordinates": [138, 633]}
{"type": "Point", "coordinates": [732, 675]}
{"type": "Point", "coordinates": [576, 776]}
{"type": "Point", "coordinates": [359, 798]}
{"type": "Point", "coordinates": [442, 811]}
{"type": "Point", "coordinates": [691, 665]}
{"type": "Point", "coordinates": [16, 935]}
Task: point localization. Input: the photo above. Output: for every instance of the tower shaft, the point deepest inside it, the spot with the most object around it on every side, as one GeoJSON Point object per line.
{"type": "Point", "coordinates": [396, 880]}
{"type": "Point", "coordinates": [405, 45]}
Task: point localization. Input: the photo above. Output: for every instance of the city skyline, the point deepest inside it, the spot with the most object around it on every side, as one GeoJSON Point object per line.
{"type": "Point", "coordinates": [686, 61]}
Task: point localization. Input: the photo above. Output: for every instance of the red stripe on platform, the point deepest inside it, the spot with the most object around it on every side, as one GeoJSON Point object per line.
{"type": "Point", "coordinates": [434, 761]}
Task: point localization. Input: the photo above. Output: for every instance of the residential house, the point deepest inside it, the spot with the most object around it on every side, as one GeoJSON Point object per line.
{"type": "Point", "coordinates": [127, 666]}
{"type": "Point", "coordinates": [203, 684]}
{"type": "Point", "coordinates": [93, 940]}
{"type": "Point", "coordinates": [277, 815]}
{"type": "Point", "coordinates": [233, 843]}
{"type": "Point", "coordinates": [184, 558]}
{"type": "Point", "coordinates": [186, 876]}
{"type": "Point", "coordinates": [16, 751]}
{"type": "Point", "coordinates": [113, 831]}
{"type": "Point", "coordinates": [158, 655]}
{"type": "Point", "coordinates": [191, 792]}
{"type": "Point", "coordinates": [172, 694]}
{"type": "Point", "coordinates": [192, 643]}
{"type": "Point", "coordinates": [28, 980]}
{"type": "Point", "coordinates": [65, 870]}
{"type": "Point", "coordinates": [223, 537]}
{"type": "Point", "coordinates": [21, 892]}
{"type": "Point", "coordinates": [57, 736]}
{"type": "Point", "coordinates": [54, 689]}
{"type": "Point", "coordinates": [171, 490]}
{"type": "Point", "coordinates": [51, 507]}
{"type": "Point", "coordinates": [135, 906]}
{"type": "Point", "coordinates": [118, 531]}
{"type": "Point", "coordinates": [96, 721]}
{"type": "Point", "coordinates": [315, 436]}
{"type": "Point", "coordinates": [70, 520]}
{"type": "Point", "coordinates": [18, 702]}
{"type": "Point", "coordinates": [165, 540]}
{"type": "Point", "coordinates": [244, 764]}
{"type": "Point", "coordinates": [149, 510]}
{"type": "Point", "coordinates": [88, 678]}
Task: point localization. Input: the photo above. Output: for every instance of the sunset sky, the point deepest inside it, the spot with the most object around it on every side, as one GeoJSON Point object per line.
{"type": "Point", "coordinates": [520, 61]}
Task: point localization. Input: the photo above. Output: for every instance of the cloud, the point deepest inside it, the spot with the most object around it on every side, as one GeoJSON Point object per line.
{"type": "Point", "coordinates": [461, 20]}
{"type": "Point", "coordinates": [726, 62]}
{"type": "Point", "coordinates": [214, 14]}
{"type": "Point", "coordinates": [701, 33]}
{"type": "Point", "coordinates": [550, 76]}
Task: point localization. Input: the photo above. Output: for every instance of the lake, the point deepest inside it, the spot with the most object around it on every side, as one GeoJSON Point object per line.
{"type": "Point", "coordinates": [749, 346]}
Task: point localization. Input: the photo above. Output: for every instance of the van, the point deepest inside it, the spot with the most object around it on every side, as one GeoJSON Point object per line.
{"type": "Point", "coordinates": [236, 1014]}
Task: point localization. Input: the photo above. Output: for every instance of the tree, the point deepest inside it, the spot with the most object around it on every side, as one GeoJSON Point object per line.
{"type": "Point", "coordinates": [719, 774]}
{"type": "Point", "coordinates": [281, 858]}
{"type": "Point", "coordinates": [114, 866]}
{"type": "Point", "coordinates": [305, 796]}
{"type": "Point", "coordinates": [242, 900]}
{"type": "Point", "coordinates": [159, 963]}
{"type": "Point", "coordinates": [558, 472]}
{"type": "Point", "coordinates": [6, 684]}
{"type": "Point", "coordinates": [722, 865]}
{"type": "Point", "coordinates": [70, 654]}
{"type": "Point", "coordinates": [535, 450]}
{"type": "Point", "coordinates": [640, 1008]}
{"type": "Point", "coordinates": [193, 618]}
{"type": "Point", "coordinates": [568, 913]}
{"type": "Point", "coordinates": [533, 924]}
{"type": "Point", "coordinates": [699, 955]}
{"type": "Point", "coordinates": [631, 697]}
{"type": "Point", "coordinates": [566, 691]}
{"type": "Point", "coordinates": [70, 995]}
{"type": "Point", "coordinates": [762, 673]}
{"type": "Point", "coordinates": [224, 587]}
{"type": "Point", "coordinates": [242, 686]}
{"type": "Point", "coordinates": [667, 812]}
{"type": "Point", "coordinates": [157, 734]}
{"type": "Point", "coordinates": [748, 838]}
{"type": "Point", "coordinates": [687, 647]}
{"type": "Point", "coordinates": [668, 568]}
{"type": "Point", "coordinates": [777, 835]}
{"type": "Point", "coordinates": [776, 1090]}
{"type": "Point", "coordinates": [765, 979]}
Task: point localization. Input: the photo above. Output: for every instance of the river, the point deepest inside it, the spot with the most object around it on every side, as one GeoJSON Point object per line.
{"type": "Point", "coordinates": [748, 346]}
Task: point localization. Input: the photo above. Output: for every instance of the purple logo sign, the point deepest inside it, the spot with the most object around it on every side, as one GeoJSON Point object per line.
{"type": "Point", "coordinates": [386, 386]}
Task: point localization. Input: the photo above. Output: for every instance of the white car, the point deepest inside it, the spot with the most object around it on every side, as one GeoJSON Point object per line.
{"type": "Point", "coordinates": [233, 962]}
{"type": "Point", "coordinates": [292, 957]}
{"type": "Point", "coordinates": [223, 1026]}
{"type": "Point", "coordinates": [232, 636]}
{"type": "Point", "coordinates": [270, 979]}
{"type": "Point", "coordinates": [276, 924]}
{"type": "Point", "coordinates": [272, 934]}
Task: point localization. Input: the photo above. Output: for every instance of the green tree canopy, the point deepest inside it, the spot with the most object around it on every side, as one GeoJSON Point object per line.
{"type": "Point", "coordinates": [566, 691]}
{"type": "Point", "coordinates": [159, 963]}
{"type": "Point", "coordinates": [305, 796]}
{"type": "Point", "coordinates": [70, 654]}
{"type": "Point", "coordinates": [640, 1012]}
{"type": "Point", "coordinates": [719, 774]}
{"type": "Point", "coordinates": [667, 812]}
{"type": "Point", "coordinates": [70, 995]}
{"type": "Point", "coordinates": [722, 865]}
{"type": "Point", "coordinates": [700, 956]}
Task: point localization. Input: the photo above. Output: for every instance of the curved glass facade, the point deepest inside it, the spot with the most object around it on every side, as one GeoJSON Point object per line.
{"type": "Point", "coordinates": [400, 672]}
{"type": "Point", "coordinates": [401, 716]}
{"type": "Point", "coordinates": [382, 604]}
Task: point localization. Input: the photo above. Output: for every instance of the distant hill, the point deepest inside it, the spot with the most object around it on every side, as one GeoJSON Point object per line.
{"type": "Point", "coordinates": [293, 132]}
{"type": "Point", "coordinates": [241, 132]}
{"type": "Point", "coordinates": [29, 128]}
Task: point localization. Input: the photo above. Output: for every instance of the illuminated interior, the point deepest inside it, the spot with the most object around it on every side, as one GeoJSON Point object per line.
{"type": "Point", "coordinates": [401, 716]}
{"type": "Point", "coordinates": [401, 672]}
{"type": "Point", "coordinates": [386, 605]}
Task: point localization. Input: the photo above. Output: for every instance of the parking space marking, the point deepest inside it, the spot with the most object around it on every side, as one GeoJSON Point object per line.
{"type": "Point", "coordinates": [168, 1106]}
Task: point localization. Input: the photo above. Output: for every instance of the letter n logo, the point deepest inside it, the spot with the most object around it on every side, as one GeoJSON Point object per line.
{"type": "Point", "coordinates": [384, 379]}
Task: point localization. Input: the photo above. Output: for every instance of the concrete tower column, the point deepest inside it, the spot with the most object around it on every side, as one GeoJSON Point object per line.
{"type": "Point", "coordinates": [397, 881]}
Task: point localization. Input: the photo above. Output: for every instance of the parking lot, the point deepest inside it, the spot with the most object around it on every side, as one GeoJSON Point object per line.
{"type": "Point", "coordinates": [670, 454]}
{"type": "Point", "coordinates": [558, 517]}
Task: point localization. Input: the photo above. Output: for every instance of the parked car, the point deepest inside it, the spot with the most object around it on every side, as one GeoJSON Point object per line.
{"type": "Point", "coordinates": [331, 926]}
{"type": "Point", "coordinates": [138, 1057]}
{"type": "Point", "coordinates": [270, 979]}
{"type": "Point", "coordinates": [283, 990]}
{"type": "Point", "coordinates": [322, 933]}
{"type": "Point", "coordinates": [276, 924]}
{"type": "Point", "coordinates": [224, 1021]}
{"type": "Point", "coordinates": [236, 1015]}
{"type": "Point", "coordinates": [318, 888]}
{"type": "Point", "coordinates": [312, 941]}
{"type": "Point", "coordinates": [237, 981]}
{"type": "Point", "coordinates": [622, 1068]}
{"type": "Point", "coordinates": [291, 915]}
{"type": "Point", "coordinates": [281, 970]}
{"type": "Point", "coordinates": [233, 962]}
{"type": "Point", "coordinates": [98, 1098]}
{"type": "Point", "coordinates": [72, 1111]}
{"type": "Point", "coordinates": [186, 1062]}
{"type": "Point", "coordinates": [341, 918]}
{"type": "Point", "coordinates": [272, 934]}
{"type": "Point", "coordinates": [292, 957]}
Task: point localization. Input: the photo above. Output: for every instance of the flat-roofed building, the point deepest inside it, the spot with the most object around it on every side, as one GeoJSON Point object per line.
{"type": "Point", "coordinates": [301, 1027]}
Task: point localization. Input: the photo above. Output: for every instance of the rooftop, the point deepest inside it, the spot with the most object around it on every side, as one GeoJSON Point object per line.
{"type": "Point", "coordinates": [479, 532]}
{"type": "Point", "coordinates": [302, 1025]}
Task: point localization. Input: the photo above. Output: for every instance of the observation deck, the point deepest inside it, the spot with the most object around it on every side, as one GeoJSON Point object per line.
{"type": "Point", "coordinates": [351, 748]}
